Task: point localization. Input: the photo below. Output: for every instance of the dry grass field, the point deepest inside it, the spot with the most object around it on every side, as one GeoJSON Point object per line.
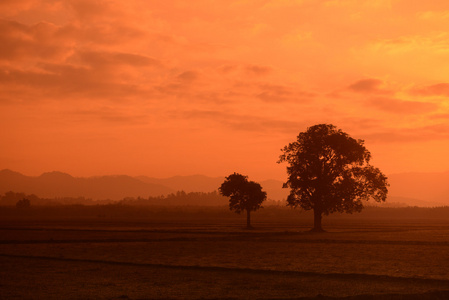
{"type": "Point", "coordinates": [191, 259]}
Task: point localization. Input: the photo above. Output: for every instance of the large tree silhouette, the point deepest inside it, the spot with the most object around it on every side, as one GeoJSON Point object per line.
{"type": "Point", "coordinates": [329, 171]}
{"type": "Point", "coordinates": [243, 194]}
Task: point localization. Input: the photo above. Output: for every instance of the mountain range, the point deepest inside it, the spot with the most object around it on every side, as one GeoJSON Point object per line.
{"type": "Point", "coordinates": [415, 189]}
{"type": "Point", "coordinates": [58, 185]}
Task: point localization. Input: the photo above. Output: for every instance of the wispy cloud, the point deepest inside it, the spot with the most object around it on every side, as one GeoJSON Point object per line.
{"type": "Point", "coordinates": [257, 70]}
{"type": "Point", "coordinates": [188, 76]}
{"type": "Point", "coordinates": [398, 106]}
{"type": "Point", "coordinates": [107, 114]}
{"type": "Point", "coordinates": [368, 86]}
{"type": "Point", "coordinates": [413, 134]}
{"type": "Point", "coordinates": [439, 89]}
{"type": "Point", "coordinates": [44, 41]}
{"type": "Point", "coordinates": [241, 122]}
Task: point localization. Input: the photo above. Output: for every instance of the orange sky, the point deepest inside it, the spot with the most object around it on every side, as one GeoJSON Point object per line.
{"type": "Point", "coordinates": [163, 88]}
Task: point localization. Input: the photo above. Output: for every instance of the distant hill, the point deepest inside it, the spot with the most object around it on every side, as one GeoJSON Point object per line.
{"type": "Point", "coordinates": [57, 184]}
{"type": "Point", "coordinates": [193, 183]}
{"type": "Point", "coordinates": [430, 188]}
{"type": "Point", "coordinates": [414, 189]}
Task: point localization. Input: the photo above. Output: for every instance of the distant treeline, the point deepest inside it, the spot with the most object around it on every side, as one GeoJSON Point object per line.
{"type": "Point", "coordinates": [12, 198]}
{"type": "Point", "coordinates": [174, 199]}
{"type": "Point", "coordinates": [180, 198]}
{"type": "Point", "coordinates": [181, 205]}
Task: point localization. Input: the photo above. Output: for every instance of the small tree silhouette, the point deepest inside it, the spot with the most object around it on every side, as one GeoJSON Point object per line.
{"type": "Point", "coordinates": [24, 203]}
{"type": "Point", "coordinates": [244, 195]}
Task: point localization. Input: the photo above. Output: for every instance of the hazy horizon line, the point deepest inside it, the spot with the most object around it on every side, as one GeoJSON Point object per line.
{"type": "Point", "coordinates": [190, 175]}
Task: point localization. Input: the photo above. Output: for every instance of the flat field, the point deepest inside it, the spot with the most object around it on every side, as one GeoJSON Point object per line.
{"type": "Point", "coordinates": [121, 258]}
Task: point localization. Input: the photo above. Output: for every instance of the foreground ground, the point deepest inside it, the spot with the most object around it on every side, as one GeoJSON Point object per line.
{"type": "Point", "coordinates": [119, 259]}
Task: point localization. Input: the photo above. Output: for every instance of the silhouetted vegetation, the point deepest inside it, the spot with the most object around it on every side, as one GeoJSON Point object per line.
{"type": "Point", "coordinates": [153, 209]}
{"type": "Point", "coordinates": [12, 198]}
{"type": "Point", "coordinates": [24, 203]}
{"type": "Point", "coordinates": [179, 198]}
{"type": "Point", "coordinates": [329, 172]}
{"type": "Point", "coordinates": [243, 195]}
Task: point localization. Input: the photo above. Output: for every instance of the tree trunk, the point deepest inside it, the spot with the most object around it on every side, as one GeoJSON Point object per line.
{"type": "Point", "coordinates": [248, 219]}
{"type": "Point", "coordinates": [317, 216]}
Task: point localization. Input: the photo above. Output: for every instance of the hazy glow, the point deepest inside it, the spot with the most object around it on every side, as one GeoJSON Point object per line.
{"type": "Point", "coordinates": [165, 88]}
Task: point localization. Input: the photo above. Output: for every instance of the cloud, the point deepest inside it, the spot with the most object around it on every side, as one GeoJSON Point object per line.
{"type": "Point", "coordinates": [241, 122]}
{"type": "Point", "coordinates": [95, 59]}
{"type": "Point", "coordinates": [86, 9]}
{"type": "Point", "coordinates": [366, 3]}
{"type": "Point", "coordinates": [49, 42]}
{"type": "Point", "coordinates": [365, 85]}
{"type": "Point", "coordinates": [14, 6]}
{"type": "Point", "coordinates": [188, 76]}
{"type": "Point", "coordinates": [434, 15]}
{"type": "Point", "coordinates": [409, 135]}
{"type": "Point", "coordinates": [439, 116]}
{"type": "Point", "coordinates": [40, 41]}
{"type": "Point", "coordinates": [361, 124]}
{"type": "Point", "coordinates": [245, 70]}
{"type": "Point", "coordinates": [398, 106]}
{"type": "Point", "coordinates": [273, 93]}
{"type": "Point", "coordinates": [440, 89]}
{"type": "Point", "coordinates": [257, 70]}
{"type": "Point", "coordinates": [430, 43]}
{"type": "Point", "coordinates": [181, 85]}
{"type": "Point", "coordinates": [114, 34]}
{"type": "Point", "coordinates": [108, 114]}
{"type": "Point", "coordinates": [64, 81]}
{"type": "Point", "coordinates": [47, 61]}
{"type": "Point", "coordinates": [226, 69]}
{"type": "Point", "coordinates": [368, 86]}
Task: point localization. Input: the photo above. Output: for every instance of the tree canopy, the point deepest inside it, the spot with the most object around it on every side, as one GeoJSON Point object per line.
{"type": "Point", "coordinates": [329, 171]}
{"type": "Point", "coordinates": [243, 194]}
